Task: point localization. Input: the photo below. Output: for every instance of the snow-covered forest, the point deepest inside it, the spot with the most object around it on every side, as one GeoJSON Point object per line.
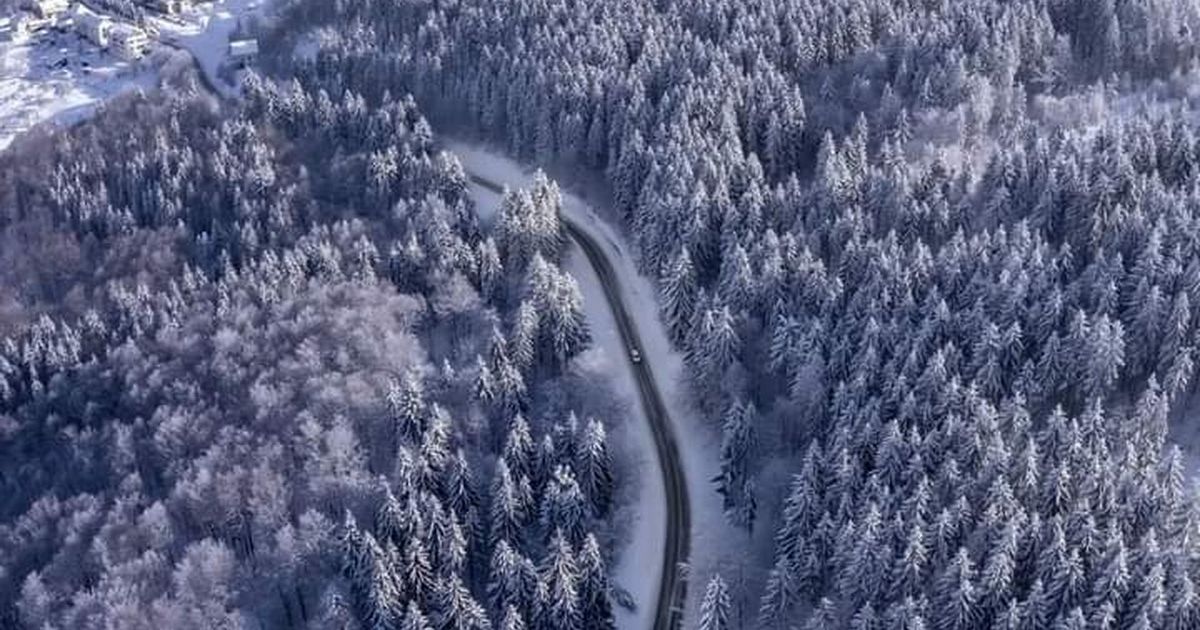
{"type": "Point", "coordinates": [932, 265]}
{"type": "Point", "coordinates": [266, 370]}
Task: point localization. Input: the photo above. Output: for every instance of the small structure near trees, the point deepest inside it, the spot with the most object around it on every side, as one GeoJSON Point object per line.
{"type": "Point", "coordinates": [243, 52]}
{"type": "Point", "coordinates": [93, 27]}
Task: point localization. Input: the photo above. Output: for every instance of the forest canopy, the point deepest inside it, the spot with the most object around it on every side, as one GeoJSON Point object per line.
{"type": "Point", "coordinates": [276, 386]}
{"type": "Point", "coordinates": [940, 319]}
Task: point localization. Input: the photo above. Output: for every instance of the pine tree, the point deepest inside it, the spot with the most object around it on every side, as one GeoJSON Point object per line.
{"type": "Point", "coordinates": [716, 609]}
{"type": "Point", "coordinates": [958, 598]}
{"type": "Point", "coordinates": [594, 466]}
{"type": "Point", "coordinates": [595, 603]}
{"type": "Point", "coordinates": [505, 589]}
{"type": "Point", "coordinates": [526, 329]}
{"type": "Point", "coordinates": [780, 594]}
{"type": "Point", "coordinates": [491, 271]}
{"type": "Point", "coordinates": [406, 400]}
{"type": "Point", "coordinates": [389, 523]}
{"type": "Point", "coordinates": [336, 613]}
{"type": "Point", "coordinates": [519, 450]}
{"type": "Point", "coordinates": [678, 293]}
{"type": "Point", "coordinates": [564, 508]}
{"type": "Point", "coordinates": [738, 445]}
{"type": "Point", "coordinates": [566, 326]}
{"type": "Point", "coordinates": [1037, 606]}
{"type": "Point", "coordinates": [508, 509]}
{"type": "Point", "coordinates": [825, 617]}
{"type": "Point", "coordinates": [379, 591]}
{"type": "Point", "coordinates": [1175, 333]}
{"type": "Point", "coordinates": [486, 388]}
{"type": "Point", "coordinates": [1071, 620]}
{"type": "Point", "coordinates": [906, 615]}
{"type": "Point", "coordinates": [416, 570]}
{"type": "Point", "coordinates": [458, 487]}
{"type": "Point", "coordinates": [414, 619]}
{"type": "Point", "coordinates": [910, 568]}
{"type": "Point", "coordinates": [559, 578]}
{"type": "Point", "coordinates": [455, 608]}
{"type": "Point", "coordinates": [999, 569]}
{"type": "Point", "coordinates": [1106, 350]}
{"type": "Point", "coordinates": [866, 618]}
{"type": "Point", "coordinates": [512, 620]}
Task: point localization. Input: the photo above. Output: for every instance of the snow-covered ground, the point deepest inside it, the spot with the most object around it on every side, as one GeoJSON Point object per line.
{"type": "Point", "coordinates": [204, 31]}
{"type": "Point", "coordinates": [61, 77]}
{"type": "Point", "coordinates": [1184, 430]}
{"type": "Point", "coordinates": [58, 76]}
{"type": "Point", "coordinates": [715, 544]}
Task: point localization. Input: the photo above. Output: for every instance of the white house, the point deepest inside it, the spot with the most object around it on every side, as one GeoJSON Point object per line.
{"type": "Point", "coordinates": [243, 52]}
{"type": "Point", "coordinates": [128, 42]}
{"type": "Point", "coordinates": [47, 8]}
{"type": "Point", "coordinates": [93, 27]}
{"type": "Point", "coordinates": [165, 6]}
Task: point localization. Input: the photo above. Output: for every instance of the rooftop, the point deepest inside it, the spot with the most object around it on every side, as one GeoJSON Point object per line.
{"type": "Point", "coordinates": [243, 48]}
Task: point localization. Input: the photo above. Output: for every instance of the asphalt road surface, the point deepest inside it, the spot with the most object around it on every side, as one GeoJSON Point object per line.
{"type": "Point", "coordinates": [672, 588]}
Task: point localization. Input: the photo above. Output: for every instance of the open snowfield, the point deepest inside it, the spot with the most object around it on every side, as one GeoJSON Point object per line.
{"type": "Point", "coordinates": [58, 76]}
{"type": "Point", "coordinates": [715, 544]}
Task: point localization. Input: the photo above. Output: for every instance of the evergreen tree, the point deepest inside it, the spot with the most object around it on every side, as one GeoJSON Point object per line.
{"type": "Point", "coordinates": [678, 295]}
{"type": "Point", "coordinates": [505, 588]}
{"type": "Point", "coordinates": [595, 603]}
{"type": "Point", "coordinates": [564, 508]}
{"type": "Point", "coordinates": [406, 401]}
{"type": "Point", "coordinates": [455, 608]}
{"type": "Point", "coordinates": [559, 578]}
{"type": "Point", "coordinates": [594, 466]}
{"type": "Point", "coordinates": [737, 451]}
{"type": "Point", "coordinates": [414, 619]}
{"type": "Point", "coordinates": [716, 609]}
{"type": "Point", "coordinates": [958, 598]}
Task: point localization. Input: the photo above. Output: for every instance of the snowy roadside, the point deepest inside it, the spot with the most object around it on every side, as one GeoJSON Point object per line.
{"type": "Point", "coordinates": [715, 544]}
{"type": "Point", "coordinates": [637, 568]}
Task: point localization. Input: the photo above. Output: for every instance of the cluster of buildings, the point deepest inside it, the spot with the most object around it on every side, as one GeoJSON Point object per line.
{"type": "Point", "coordinates": [125, 40]}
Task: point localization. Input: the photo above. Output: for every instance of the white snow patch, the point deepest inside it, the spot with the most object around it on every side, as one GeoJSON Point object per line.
{"type": "Point", "coordinates": [716, 546]}
{"type": "Point", "coordinates": [59, 76]}
{"type": "Point", "coordinates": [204, 30]}
{"type": "Point", "coordinates": [1184, 430]}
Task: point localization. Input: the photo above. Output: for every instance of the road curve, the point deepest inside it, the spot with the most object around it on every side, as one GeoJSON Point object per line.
{"type": "Point", "coordinates": [672, 589]}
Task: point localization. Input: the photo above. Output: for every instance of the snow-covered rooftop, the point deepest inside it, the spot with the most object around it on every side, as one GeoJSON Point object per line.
{"type": "Point", "coordinates": [243, 48]}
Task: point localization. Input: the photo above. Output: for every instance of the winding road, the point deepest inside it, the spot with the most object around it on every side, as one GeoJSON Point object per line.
{"type": "Point", "coordinates": [672, 589]}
